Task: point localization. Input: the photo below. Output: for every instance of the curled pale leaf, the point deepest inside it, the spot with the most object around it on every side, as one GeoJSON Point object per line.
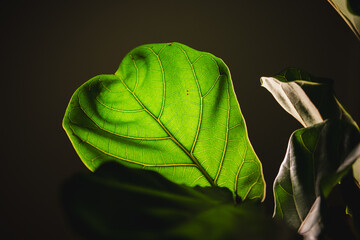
{"type": "Point", "coordinates": [309, 99]}
{"type": "Point", "coordinates": [294, 100]}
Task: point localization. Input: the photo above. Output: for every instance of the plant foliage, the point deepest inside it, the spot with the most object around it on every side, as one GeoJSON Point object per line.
{"type": "Point", "coordinates": [318, 158]}
{"type": "Point", "coordinates": [168, 145]}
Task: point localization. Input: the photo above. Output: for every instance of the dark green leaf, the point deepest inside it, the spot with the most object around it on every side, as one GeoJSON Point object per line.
{"type": "Point", "coordinates": [171, 109]}
{"type": "Point", "coordinates": [117, 202]}
{"type": "Point", "coordinates": [317, 159]}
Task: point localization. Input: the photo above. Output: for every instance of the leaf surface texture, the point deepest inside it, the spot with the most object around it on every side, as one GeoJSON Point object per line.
{"type": "Point", "coordinates": [171, 109]}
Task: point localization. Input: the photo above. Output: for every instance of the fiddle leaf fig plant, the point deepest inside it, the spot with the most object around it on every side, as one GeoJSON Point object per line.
{"type": "Point", "coordinates": [318, 158]}
{"type": "Point", "coordinates": [170, 109]}
{"type": "Point", "coordinates": [166, 140]}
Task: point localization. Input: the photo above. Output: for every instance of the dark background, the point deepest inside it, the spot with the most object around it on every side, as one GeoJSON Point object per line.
{"type": "Point", "coordinates": [49, 49]}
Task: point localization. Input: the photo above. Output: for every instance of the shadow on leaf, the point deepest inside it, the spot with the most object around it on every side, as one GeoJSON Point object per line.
{"type": "Point", "coordinates": [116, 202]}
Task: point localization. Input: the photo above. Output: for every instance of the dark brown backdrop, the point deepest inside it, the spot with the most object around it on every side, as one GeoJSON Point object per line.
{"type": "Point", "coordinates": [49, 49]}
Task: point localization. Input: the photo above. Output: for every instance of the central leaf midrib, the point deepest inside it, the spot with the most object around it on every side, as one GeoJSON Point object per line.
{"type": "Point", "coordinates": [195, 161]}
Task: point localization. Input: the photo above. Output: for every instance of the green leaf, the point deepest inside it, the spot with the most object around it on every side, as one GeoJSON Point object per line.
{"type": "Point", "coordinates": [171, 109]}
{"type": "Point", "coordinates": [317, 159]}
{"type": "Point", "coordinates": [117, 202]}
{"type": "Point", "coordinates": [309, 99]}
{"type": "Point", "coordinates": [349, 10]}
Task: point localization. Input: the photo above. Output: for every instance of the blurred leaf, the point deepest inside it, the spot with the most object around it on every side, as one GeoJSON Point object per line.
{"type": "Point", "coordinates": [317, 159]}
{"type": "Point", "coordinates": [171, 109]}
{"type": "Point", "coordinates": [349, 10]}
{"type": "Point", "coordinates": [356, 171]}
{"type": "Point", "coordinates": [117, 202]}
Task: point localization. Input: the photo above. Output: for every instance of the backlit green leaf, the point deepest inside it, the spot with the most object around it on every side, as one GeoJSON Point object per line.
{"type": "Point", "coordinates": [171, 109]}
